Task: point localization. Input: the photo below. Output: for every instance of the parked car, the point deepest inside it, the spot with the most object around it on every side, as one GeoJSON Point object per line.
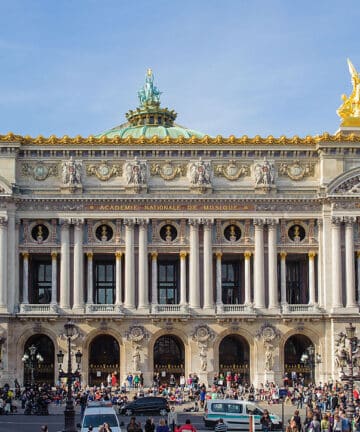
{"type": "Point", "coordinates": [149, 404]}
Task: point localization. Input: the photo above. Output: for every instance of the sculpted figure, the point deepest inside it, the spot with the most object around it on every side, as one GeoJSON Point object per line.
{"type": "Point", "coordinates": [71, 172]}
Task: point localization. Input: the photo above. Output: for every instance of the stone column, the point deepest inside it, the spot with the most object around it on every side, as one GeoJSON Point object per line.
{"type": "Point", "coordinates": [312, 299]}
{"type": "Point", "coordinates": [3, 262]}
{"type": "Point", "coordinates": [336, 263]}
{"type": "Point", "coordinates": [78, 266]}
{"type": "Point", "coordinates": [65, 266]}
{"type": "Point", "coordinates": [247, 256]}
{"type": "Point", "coordinates": [143, 265]}
{"type": "Point", "coordinates": [358, 272]}
{"type": "Point", "coordinates": [272, 264]}
{"type": "Point", "coordinates": [194, 285]}
{"type": "Point", "coordinates": [154, 281]}
{"type": "Point", "coordinates": [129, 301]}
{"type": "Point", "coordinates": [183, 302]}
{"type": "Point", "coordinates": [118, 261]}
{"type": "Point", "coordinates": [219, 302]}
{"type": "Point", "coordinates": [25, 299]}
{"type": "Point", "coordinates": [12, 289]}
{"type": "Point", "coordinates": [283, 278]}
{"type": "Point", "coordinates": [90, 278]}
{"type": "Point", "coordinates": [259, 287]}
{"type": "Point", "coordinates": [350, 262]}
{"type": "Point", "coordinates": [208, 268]}
{"type": "Point", "coordinates": [53, 278]}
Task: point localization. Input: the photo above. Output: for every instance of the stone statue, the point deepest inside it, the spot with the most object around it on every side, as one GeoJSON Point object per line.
{"type": "Point", "coordinates": [149, 94]}
{"type": "Point", "coordinates": [264, 173]}
{"type": "Point", "coordinates": [269, 360]}
{"type": "Point", "coordinates": [136, 358]}
{"type": "Point", "coordinates": [135, 172]}
{"type": "Point", "coordinates": [71, 172]}
{"type": "Point", "coordinates": [349, 111]}
{"type": "Point", "coordinates": [203, 358]}
{"type": "Point", "coordinates": [200, 173]}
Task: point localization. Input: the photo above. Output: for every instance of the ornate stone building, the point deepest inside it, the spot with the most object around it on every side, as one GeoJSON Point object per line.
{"type": "Point", "coordinates": [175, 252]}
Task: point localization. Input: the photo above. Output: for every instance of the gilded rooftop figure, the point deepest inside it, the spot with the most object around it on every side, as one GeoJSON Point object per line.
{"type": "Point", "coordinates": [349, 111]}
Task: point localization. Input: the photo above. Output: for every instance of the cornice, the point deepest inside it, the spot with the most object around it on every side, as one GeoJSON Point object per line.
{"type": "Point", "coordinates": [77, 141]}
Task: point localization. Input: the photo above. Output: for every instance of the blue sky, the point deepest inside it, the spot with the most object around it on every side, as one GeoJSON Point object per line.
{"type": "Point", "coordinates": [226, 66]}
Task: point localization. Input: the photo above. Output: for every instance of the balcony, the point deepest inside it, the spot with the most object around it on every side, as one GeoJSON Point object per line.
{"type": "Point", "coordinates": [169, 309]}
{"type": "Point", "coordinates": [103, 308]}
{"type": "Point", "coordinates": [234, 309]}
{"type": "Point", "coordinates": [39, 309]}
{"type": "Point", "coordinates": [300, 308]}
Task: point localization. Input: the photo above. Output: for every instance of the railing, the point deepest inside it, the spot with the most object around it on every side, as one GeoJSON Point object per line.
{"type": "Point", "coordinates": [38, 308]}
{"type": "Point", "coordinates": [101, 308]}
{"type": "Point", "coordinates": [299, 308]}
{"type": "Point", "coordinates": [234, 308]}
{"type": "Point", "coordinates": [169, 308]}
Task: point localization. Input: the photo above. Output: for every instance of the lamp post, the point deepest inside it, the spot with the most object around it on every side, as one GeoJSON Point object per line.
{"type": "Point", "coordinates": [347, 360]}
{"type": "Point", "coordinates": [31, 360]}
{"type": "Point", "coordinates": [310, 358]}
{"type": "Point", "coordinates": [69, 412]}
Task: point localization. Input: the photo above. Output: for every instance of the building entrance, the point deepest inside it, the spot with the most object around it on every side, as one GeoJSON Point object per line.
{"type": "Point", "coordinates": [104, 359]}
{"type": "Point", "coordinates": [39, 363]}
{"type": "Point", "coordinates": [234, 357]}
{"type": "Point", "coordinates": [294, 369]}
{"type": "Point", "coordinates": [169, 358]}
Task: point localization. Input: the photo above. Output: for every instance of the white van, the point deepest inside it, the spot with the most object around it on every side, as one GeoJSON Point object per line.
{"type": "Point", "coordinates": [236, 414]}
{"type": "Point", "coordinates": [97, 415]}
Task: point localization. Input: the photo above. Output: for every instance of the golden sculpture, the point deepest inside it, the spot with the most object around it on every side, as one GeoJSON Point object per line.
{"type": "Point", "coordinates": [350, 109]}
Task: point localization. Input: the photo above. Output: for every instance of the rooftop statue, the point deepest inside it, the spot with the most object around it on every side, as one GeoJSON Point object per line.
{"type": "Point", "coordinates": [349, 111]}
{"type": "Point", "coordinates": [149, 94]}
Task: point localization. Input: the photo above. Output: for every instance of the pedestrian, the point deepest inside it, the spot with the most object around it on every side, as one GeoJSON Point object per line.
{"type": "Point", "coordinates": [133, 426]}
{"type": "Point", "coordinates": [162, 427]}
{"type": "Point", "coordinates": [149, 425]}
{"type": "Point", "coordinates": [172, 419]}
{"type": "Point", "coordinates": [265, 421]}
{"type": "Point", "coordinates": [221, 426]}
{"type": "Point", "coordinates": [187, 426]}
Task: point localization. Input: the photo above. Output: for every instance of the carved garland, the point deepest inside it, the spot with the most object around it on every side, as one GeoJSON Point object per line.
{"type": "Point", "coordinates": [232, 171]}
{"type": "Point", "coordinates": [168, 170]}
{"type": "Point", "coordinates": [296, 171]}
{"type": "Point", "coordinates": [104, 171]}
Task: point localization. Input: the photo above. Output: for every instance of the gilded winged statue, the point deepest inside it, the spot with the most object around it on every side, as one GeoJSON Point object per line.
{"type": "Point", "coordinates": [349, 111]}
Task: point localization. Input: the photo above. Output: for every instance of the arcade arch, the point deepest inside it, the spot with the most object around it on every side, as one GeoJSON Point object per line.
{"type": "Point", "coordinates": [104, 359]}
{"type": "Point", "coordinates": [169, 357]}
{"type": "Point", "coordinates": [294, 369]}
{"type": "Point", "coordinates": [234, 357]}
{"type": "Point", "coordinates": [44, 372]}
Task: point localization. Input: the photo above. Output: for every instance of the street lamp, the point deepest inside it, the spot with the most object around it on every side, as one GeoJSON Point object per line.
{"type": "Point", "coordinates": [347, 360]}
{"type": "Point", "coordinates": [69, 412]}
{"type": "Point", "coordinates": [310, 358]}
{"type": "Point", "coordinates": [31, 360]}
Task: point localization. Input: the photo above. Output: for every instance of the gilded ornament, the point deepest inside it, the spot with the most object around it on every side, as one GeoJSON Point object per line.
{"type": "Point", "coordinates": [232, 171]}
{"type": "Point", "coordinates": [349, 111]}
{"type": "Point", "coordinates": [296, 171]}
{"type": "Point", "coordinates": [103, 171]}
{"type": "Point", "coordinates": [168, 170]}
{"type": "Point", "coordinates": [39, 171]}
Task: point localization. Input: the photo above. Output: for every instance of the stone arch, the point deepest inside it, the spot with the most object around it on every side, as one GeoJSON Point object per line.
{"type": "Point", "coordinates": [44, 371]}
{"type": "Point", "coordinates": [345, 182]}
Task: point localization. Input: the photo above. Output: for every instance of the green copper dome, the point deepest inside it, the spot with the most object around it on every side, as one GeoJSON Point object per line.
{"type": "Point", "coordinates": [149, 119]}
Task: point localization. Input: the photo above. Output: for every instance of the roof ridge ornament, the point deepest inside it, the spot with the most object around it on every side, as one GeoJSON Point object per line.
{"type": "Point", "coordinates": [349, 111]}
{"type": "Point", "coordinates": [149, 95]}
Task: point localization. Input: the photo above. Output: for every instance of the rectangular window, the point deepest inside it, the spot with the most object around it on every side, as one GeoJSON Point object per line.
{"type": "Point", "coordinates": [297, 279]}
{"type": "Point", "coordinates": [104, 282]}
{"type": "Point", "coordinates": [168, 282]}
{"type": "Point", "coordinates": [41, 281]}
{"type": "Point", "coordinates": [231, 283]}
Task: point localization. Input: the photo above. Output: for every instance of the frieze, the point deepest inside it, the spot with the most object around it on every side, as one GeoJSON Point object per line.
{"type": "Point", "coordinates": [232, 171]}
{"type": "Point", "coordinates": [296, 171]}
{"type": "Point", "coordinates": [39, 171]}
{"type": "Point", "coordinates": [168, 170]}
{"type": "Point", "coordinates": [104, 171]}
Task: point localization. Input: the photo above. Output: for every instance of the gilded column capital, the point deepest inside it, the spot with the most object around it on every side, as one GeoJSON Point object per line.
{"type": "Point", "coordinates": [89, 255]}
{"type": "Point", "coordinates": [54, 255]}
{"type": "Point", "coordinates": [283, 255]}
{"type": "Point", "coordinates": [118, 255]}
{"type": "Point", "coordinates": [183, 254]}
{"type": "Point", "coordinates": [154, 256]}
{"type": "Point", "coordinates": [218, 254]}
{"type": "Point", "coordinates": [247, 255]}
{"type": "Point", "coordinates": [312, 255]}
{"type": "Point", "coordinates": [26, 255]}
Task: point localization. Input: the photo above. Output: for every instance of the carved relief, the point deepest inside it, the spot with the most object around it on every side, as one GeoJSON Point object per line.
{"type": "Point", "coordinates": [232, 171]}
{"type": "Point", "coordinates": [71, 173]}
{"type": "Point", "coordinates": [351, 186]}
{"type": "Point", "coordinates": [136, 335]}
{"type": "Point", "coordinates": [268, 333]}
{"type": "Point", "coordinates": [136, 175]}
{"type": "Point", "coordinates": [39, 171]}
{"type": "Point", "coordinates": [264, 174]}
{"type": "Point", "coordinates": [168, 170]}
{"type": "Point", "coordinates": [296, 170]}
{"type": "Point", "coordinates": [199, 174]}
{"type": "Point", "coordinates": [104, 171]}
{"type": "Point", "coordinates": [202, 336]}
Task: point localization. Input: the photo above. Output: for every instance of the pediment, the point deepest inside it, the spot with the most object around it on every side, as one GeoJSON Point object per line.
{"type": "Point", "coordinates": [346, 184]}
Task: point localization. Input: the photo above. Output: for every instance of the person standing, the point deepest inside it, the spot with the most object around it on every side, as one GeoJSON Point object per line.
{"type": "Point", "coordinates": [221, 426]}
{"type": "Point", "coordinates": [265, 421]}
{"type": "Point", "coordinates": [187, 426]}
{"type": "Point", "coordinates": [162, 427]}
{"type": "Point", "coordinates": [172, 419]}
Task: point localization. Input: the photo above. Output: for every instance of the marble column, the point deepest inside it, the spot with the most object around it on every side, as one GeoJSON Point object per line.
{"type": "Point", "coordinates": [65, 266]}
{"type": "Point", "coordinates": [12, 289]}
{"type": "Point", "coordinates": [272, 264]}
{"type": "Point", "coordinates": [183, 255]}
{"type": "Point", "coordinates": [78, 266]}
{"type": "Point", "coordinates": [208, 265]}
{"type": "Point", "coordinates": [337, 301]}
{"type": "Point", "coordinates": [358, 273]}
{"type": "Point", "coordinates": [3, 262]}
{"type": "Point", "coordinates": [283, 278]}
{"type": "Point", "coordinates": [350, 262]}
{"type": "Point", "coordinates": [194, 285]}
{"type": "Point", "coordinates": [129, 300]}
{"type": "Point", "coordinates": [54, 278]}
{"type": "Point", "coordinates": [259, 286]}
{"type": "Point", "coordinates": [219, 302]}
{"type": "Point", "coordinates": [154, 280]}
{"type": "Point", "coordinates": [247, 257]}
{"type": "Point", "coordinates": [118, 270]}
{"type": "Point", "coordinates": [90, 278]}
{"type": "Point", "coordinates": [143, 265]}
{"type": "Point", "coordinates": [25, 256]}
{"type": "Point", "coordinates": [312, 299]}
